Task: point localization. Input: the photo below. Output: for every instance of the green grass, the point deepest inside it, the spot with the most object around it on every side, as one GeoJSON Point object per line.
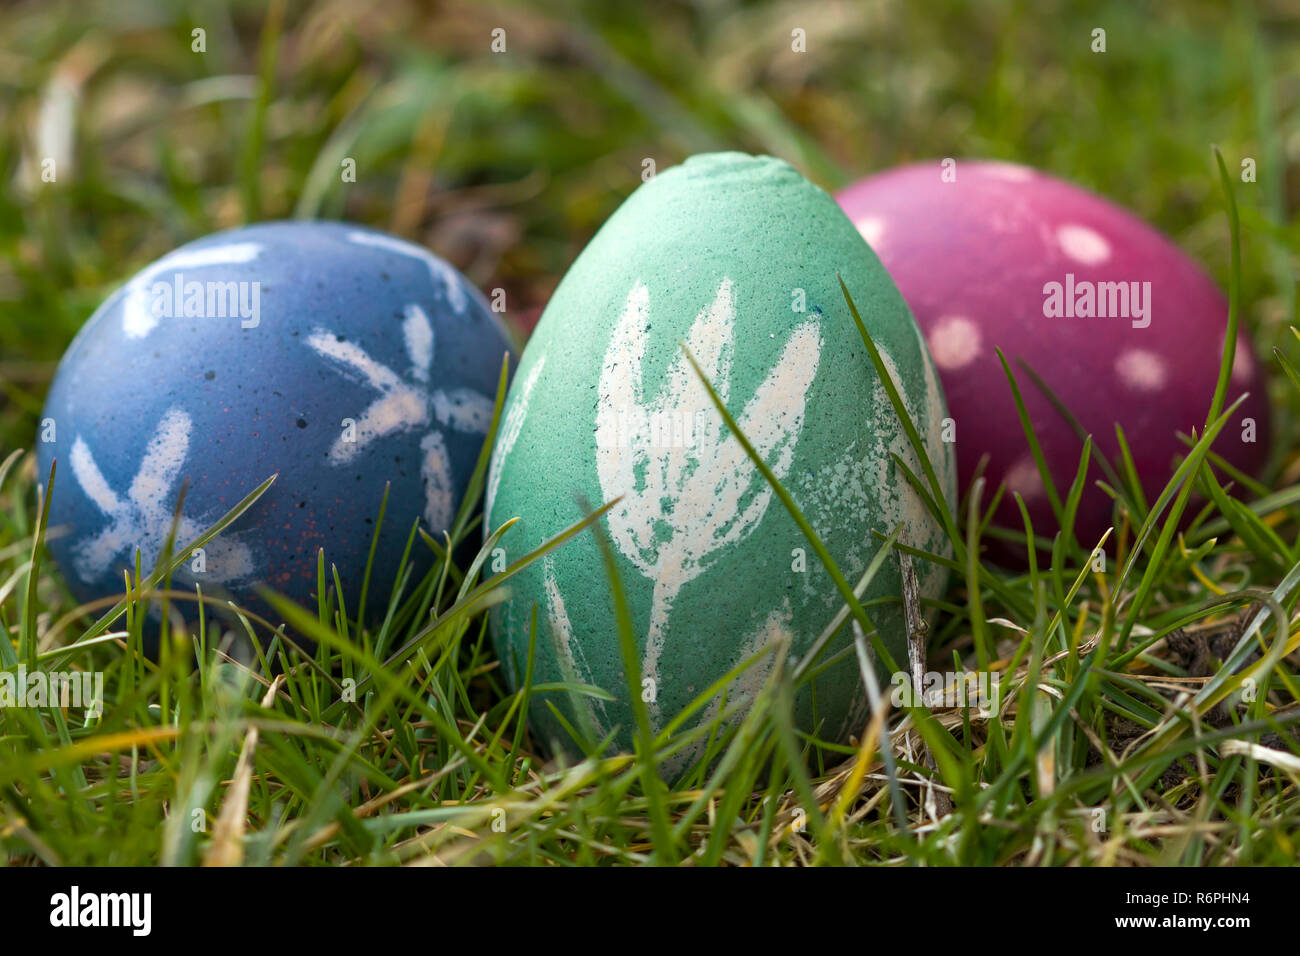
{"type": "Point", "coordinates": [1123, 736]}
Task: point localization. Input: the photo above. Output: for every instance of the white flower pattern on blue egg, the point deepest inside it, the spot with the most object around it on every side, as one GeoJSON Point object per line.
{"type": "Point", "coordinates": [142, 518]}
{"type": "Point", "coordinates": [403, 405]}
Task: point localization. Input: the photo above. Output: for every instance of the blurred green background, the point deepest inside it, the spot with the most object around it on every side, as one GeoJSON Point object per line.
{"type": "Point", "coordinates": [507, 162]}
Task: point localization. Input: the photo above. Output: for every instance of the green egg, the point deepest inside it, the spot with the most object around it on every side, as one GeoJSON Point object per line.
{"type": "Point", "coordinates": [735, 258]}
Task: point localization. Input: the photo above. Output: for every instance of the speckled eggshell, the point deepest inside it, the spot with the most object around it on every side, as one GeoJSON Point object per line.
{"type": "Point", "coordinates": [975, 258]}
{"type": "Point", "coordinates": [330, 323]}
{"type": "Point", "coordinates": [720, 254]}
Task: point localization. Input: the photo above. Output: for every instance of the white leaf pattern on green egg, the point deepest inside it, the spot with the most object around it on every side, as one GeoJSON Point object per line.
{"type": "Point", "coordinates": [508, 434]}
{"type": "Point", "coordinates": [685, 501]}
{"type": "Point", "coordinates": [568, 653]}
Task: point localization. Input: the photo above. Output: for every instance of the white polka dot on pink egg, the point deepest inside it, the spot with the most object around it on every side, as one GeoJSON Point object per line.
{"type": "Point", "coordinates": [872, 229]}
{"type": "Point", "coordinates": [1024, 479]}
{"type": "Point", "coordinates": [1085, 246]}
{"type": "Point", "coordinates": [1141, 370]}
{"type": "Point", "coordinates": [954, 341]}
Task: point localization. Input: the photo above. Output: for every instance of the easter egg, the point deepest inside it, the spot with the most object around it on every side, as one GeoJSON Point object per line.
{"type": "Point", "coordinates": [1119, 324]}
{"type": "Point", "coordinates": [734, 259]}
{"type": "Point", "coordinates": [339, 358]}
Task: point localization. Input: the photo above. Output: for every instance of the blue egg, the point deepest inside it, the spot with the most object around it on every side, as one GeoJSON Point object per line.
{"type": "Point", "coordinates": [338, 357]}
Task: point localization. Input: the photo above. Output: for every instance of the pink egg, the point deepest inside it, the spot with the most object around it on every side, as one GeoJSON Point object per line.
{"type": "Point", "coordinates": [1120, 324]}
